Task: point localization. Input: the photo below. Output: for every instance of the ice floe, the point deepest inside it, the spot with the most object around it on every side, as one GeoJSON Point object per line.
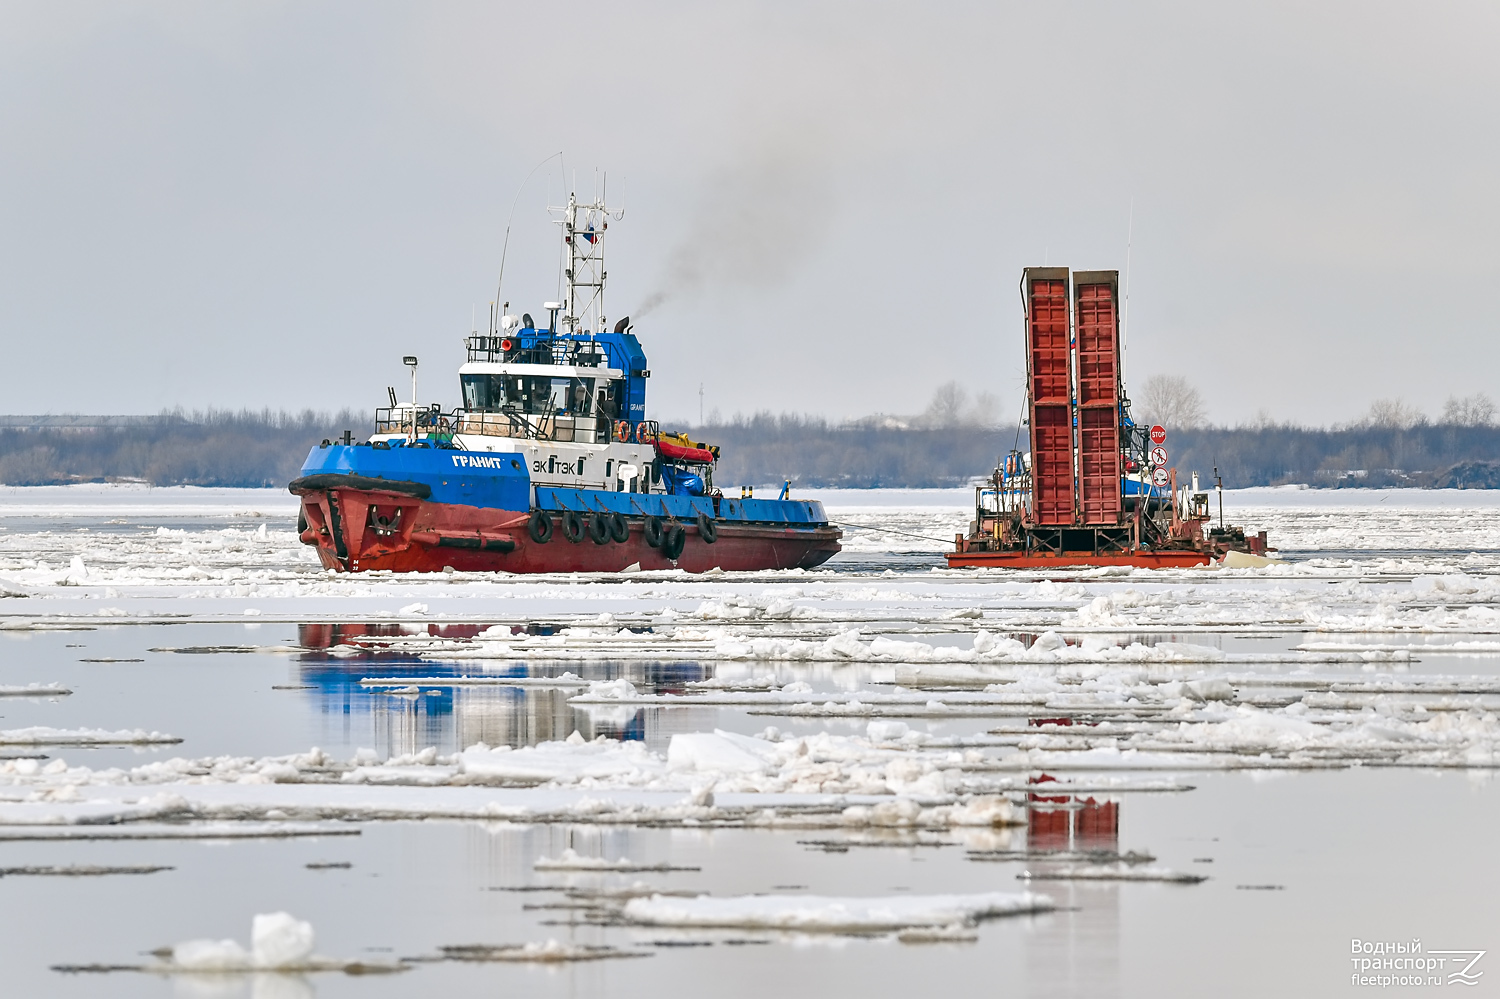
{"type": "Point", "coordinates": [42, 735]}
{"type": "Point", "coordinates": [279, 943]}
{"type": "Point", "coordinates": [892, 776]}
{"type": "Point", "coordinates": [35, 690]}
{"type": "Point", "coordinates": [551, 951]}
{"type": "Point", "coordinates": [80, 870]}
{"type": "Point", "coordinates": [571, 860]}
{"type": "Point", "coordinates": [821, 914]}
{"type": "Point", "coordinates": [1110, 872]}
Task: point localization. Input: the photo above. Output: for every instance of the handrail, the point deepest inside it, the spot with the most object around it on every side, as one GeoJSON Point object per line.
{"type": "Point", "coordinates": [486, 347]}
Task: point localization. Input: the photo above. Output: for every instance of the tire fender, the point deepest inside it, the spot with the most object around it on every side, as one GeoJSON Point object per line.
{"type": "Point", "coordinates": [653, 531]}
{"type": "Point", "coordinates": [599, 528]}
{"type": "Point", "coordinates": [707, 529]}
{"type": "Point", "coordinates": [674, 542]}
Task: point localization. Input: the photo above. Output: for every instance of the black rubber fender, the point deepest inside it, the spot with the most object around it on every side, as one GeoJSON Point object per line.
{"type": "Point", "coordinates": [653, 530]}
{"type": "Point", "coordinates": [482, 544]}
{"type": "Point", "coordinates": [707, 529]}
{"type": "Point", "coordinates": [540, 527]}
{"type": "Point", "coordinates": [599, 528]}
{"type": "Point", "coordinates": [674, 542]}
{"type": "Point", "coordinates": [573, 527]}
{"type": "Point", "coordinates": [339, 480]}
{"type": "Point", "coordinates": [619, 528]}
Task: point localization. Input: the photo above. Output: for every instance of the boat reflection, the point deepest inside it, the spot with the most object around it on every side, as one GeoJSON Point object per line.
{"type": "Point", "coordinates": [394, 721]}
{"type": "Point", "coordinates": [1066, 823]}
{"type": "Point", "coordinates": [1076, 950]}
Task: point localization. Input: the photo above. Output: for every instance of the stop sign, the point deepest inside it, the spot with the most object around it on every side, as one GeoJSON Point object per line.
{"type": "Point", "coordinates": [1158, 434]}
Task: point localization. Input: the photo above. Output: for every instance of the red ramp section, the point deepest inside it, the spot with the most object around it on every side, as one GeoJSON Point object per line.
{"type": "Point", "coordinates": [1095, 296]}
{"type": "Point", "coordinates": [1050, 389]}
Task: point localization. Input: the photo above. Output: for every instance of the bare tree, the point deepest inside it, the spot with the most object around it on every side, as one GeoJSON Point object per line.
{"type": "Point", "coordinates": [948, 406]}
{"type": "Point", "coordinates": [1393, 414]}
{"type": "Point", "coordinates": [1477, 410]}
{"type": "Point", "coordinates": [952, 406]}
{"type": "Point", "coordinates": [1172, 401]}
{"type": "Point", "coordinates": [1263, 420]}
{"type": "Point", "coordinates": [986, 410]}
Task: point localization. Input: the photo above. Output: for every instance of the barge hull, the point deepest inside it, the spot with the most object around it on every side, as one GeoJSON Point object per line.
{"type": "Point", "coordinates": [1166, 559]}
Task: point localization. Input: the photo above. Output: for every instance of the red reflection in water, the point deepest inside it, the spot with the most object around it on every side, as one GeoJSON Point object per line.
{"type": "Point", "coordinates": [1070, 822]}
{"type": "Point", "coordinates": [325, 636]}
{"type": "Point", "coordinates": [1064, 722]}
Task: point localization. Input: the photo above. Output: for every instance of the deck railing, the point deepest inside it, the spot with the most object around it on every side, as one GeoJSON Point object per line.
{"type": "Point", "coordinates": [490, 423]}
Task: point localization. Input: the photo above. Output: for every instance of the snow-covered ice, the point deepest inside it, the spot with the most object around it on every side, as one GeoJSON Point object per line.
{"type": "Point", "coordinates": [819, 914]}
{"type": "Point", "coordinates": [35, 690]}
{"type": "Point", "coordinates": [279, 942]}
{"type": "Point", "coordinates": [1111, 872]}
{"type": "Point", "coordinates": [45, 735]}
{"type": "Point", "coordinates": [571, 860]}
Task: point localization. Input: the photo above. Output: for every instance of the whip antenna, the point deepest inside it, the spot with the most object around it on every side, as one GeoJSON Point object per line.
{"type": "Point", "coordinates": [1125, 313]}
{"type": "Point", "coordinates": [506, 245]}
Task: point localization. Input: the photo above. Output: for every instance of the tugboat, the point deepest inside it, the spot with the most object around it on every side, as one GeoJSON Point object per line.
{"type": "Point", "coordinates": [550, 464]}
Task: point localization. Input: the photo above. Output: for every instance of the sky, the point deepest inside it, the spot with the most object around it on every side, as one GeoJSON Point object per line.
{"type": "Point", "coordinates": [265, 205]}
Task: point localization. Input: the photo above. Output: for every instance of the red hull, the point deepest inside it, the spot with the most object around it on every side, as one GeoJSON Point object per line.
{"type": "Point", "coordinates": [1021, 560]}
{"type": "Point", "coordinates": [361, 530]}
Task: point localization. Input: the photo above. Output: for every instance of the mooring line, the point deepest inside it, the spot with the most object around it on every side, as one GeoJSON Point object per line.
{"type": "Point", "coordinates": [904, 534]}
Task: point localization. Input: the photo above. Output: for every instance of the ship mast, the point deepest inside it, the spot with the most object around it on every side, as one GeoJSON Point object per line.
{"type": "Point", "coordinates": [583, 230]}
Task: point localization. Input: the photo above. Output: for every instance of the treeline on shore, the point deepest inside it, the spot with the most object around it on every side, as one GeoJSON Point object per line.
{"type": "Point", "coordinates": [213, 448]}
{"type": "Point", "coordinates": [813, 452]}
{"type": "Point", "coordinates": [809, 451]}
{"type": "Point", "coordinates": [222, 448]}
{"type": "Point", "coordinates": [1432, 455]}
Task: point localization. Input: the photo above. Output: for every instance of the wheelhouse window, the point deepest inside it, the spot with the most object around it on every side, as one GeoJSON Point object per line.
{"type": "Point", "coordinates": [608, 399]}
{"type": "Point", "coordinates": [495, 393]}
{"type": "Point", "coordinates": [530, 395]}
{"type": "Point", "coordinates": [477, 391]}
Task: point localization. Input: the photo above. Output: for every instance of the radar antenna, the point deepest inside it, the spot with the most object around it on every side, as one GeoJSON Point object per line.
{"type": "Point", "coordinates": [584, 276]}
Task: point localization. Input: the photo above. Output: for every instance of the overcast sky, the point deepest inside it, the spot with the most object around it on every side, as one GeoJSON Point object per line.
{"type": "Point", "coordinates": [267, 204]}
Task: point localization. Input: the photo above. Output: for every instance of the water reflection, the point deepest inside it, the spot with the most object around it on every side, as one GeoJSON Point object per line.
{"type": "Point", "coordinates": [1077, 949]}
{"type": "Point", "coordinates": [266, 985]}
{"type": "Point", "coordinates": [1064, 823]}
{"type": "Point", "coordinates": [397, 720]}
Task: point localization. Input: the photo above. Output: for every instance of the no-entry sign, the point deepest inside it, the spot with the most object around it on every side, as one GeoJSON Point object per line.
{"type": "Point", "coordinates": [1158, 434]}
